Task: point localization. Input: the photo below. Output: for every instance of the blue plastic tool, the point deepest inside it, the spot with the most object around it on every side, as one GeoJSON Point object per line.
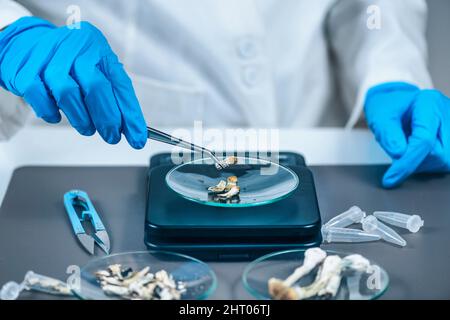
{"type": "Point", "coordinates": [77, 198]}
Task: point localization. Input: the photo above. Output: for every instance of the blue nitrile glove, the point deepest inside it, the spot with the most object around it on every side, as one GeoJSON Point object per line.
{"type": "Point", "coordinates": [412, 126]}
{"type": "Point", "coordinates": [75, 71]}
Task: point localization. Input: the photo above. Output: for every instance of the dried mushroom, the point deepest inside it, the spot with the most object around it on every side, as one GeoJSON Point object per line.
{"type": "Point", "coordinates": [139, 285]}
{"type": "Point", "coordinates": [327, 280]}
{"type": "Point", "coordinates": [219, 188]}
{"type": "Point", "coordinates": [226, 190]}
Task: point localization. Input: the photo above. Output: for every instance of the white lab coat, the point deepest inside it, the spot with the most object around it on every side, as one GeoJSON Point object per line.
{"type": "Point", "coordinates": [261, 63]}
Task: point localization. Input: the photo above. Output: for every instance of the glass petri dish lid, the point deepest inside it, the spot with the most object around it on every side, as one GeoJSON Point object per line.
{"type": "Point", "coordinates": [198, 278]}
{"type": "Point", "coordinates": [260, 181]}
{"type": "Point", "coordinates": [354, 285]}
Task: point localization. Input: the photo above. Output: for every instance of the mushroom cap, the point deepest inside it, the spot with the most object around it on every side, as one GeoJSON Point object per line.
{"type": "Point", "coordinates": [232, 160]}
{"type": "Point", "coordinates": [279, 291]}
{"type": "Point", "coordinates": [232, 179]}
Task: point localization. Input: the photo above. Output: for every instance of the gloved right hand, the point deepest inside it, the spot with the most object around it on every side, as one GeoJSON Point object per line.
{"type": "Point", "coordinates": [74, 71]}
{"type": "Point", "coordinates": [412, 126]}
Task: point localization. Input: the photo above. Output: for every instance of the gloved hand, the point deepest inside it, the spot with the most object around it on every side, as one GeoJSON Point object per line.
{"type": "Point", "coordinates": [73, 71]}
{"type": "Point", "coordinates": [412, 126]}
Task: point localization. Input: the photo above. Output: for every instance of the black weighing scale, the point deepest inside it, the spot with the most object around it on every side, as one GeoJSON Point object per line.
{"type": "Point", "coordinates": [217, 234]}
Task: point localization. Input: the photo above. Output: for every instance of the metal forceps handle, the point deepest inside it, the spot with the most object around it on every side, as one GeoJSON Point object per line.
{"type": "Point", "coordinates": [163, 137]}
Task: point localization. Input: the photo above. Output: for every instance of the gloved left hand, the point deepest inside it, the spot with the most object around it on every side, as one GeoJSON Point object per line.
{"type": "Point", "coordinates": [73, 71]}
{"type": "Point", "coordinates": [412, 126]}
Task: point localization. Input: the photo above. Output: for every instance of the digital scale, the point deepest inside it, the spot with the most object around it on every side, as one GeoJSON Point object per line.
{"type": "Point", "coordinates": [217, 233]}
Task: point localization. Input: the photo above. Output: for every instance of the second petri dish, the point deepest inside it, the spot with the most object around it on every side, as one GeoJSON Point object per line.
{"type": "Point", "coordinates": [354, 285]}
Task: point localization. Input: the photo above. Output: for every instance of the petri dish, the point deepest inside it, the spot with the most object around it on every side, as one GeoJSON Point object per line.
{"type": "Point", "coordinates": [261, 182]}
{"type": "Point", "coordinates": [199, 279]}
{"type": "Point", "coordinates": [354, 285]}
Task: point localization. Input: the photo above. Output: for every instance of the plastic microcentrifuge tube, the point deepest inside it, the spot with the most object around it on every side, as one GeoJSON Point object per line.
{"type": "Point", "coordinates": [37, 282]}
{"type": "Point", "coordinates": [412, 223]}
{"type": "Point", "coordinates": [11, 290]}
{"type": "Point", "coordinates": [347, 235]}
{"type": "Point", "coordinates": [349, 217]}
{"type": "Point", "coordinates": [371, 224]}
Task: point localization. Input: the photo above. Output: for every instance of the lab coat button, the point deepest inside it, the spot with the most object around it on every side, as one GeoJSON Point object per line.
{"type": "Point", "coordinates": [247, 48]}
{"type": "Point", "coordinates": [251, 76]}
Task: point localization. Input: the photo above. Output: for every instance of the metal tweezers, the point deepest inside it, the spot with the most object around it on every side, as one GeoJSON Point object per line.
{"type": "Point", "coordinates": [80, 199]}
{"type": "Point", "coordinates": [160, 136]}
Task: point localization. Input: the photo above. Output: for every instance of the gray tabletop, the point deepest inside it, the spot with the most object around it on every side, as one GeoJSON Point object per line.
{"type": "Point", "coordinates": [35, 233]}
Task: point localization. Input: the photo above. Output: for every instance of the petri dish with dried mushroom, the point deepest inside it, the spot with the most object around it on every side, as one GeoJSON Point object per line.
{"type": "Point", "coordinates": [146, 275]}
{"type": "Point", "coordinates": [315, 274]}
{"type": "Point", "coordinates": [245, 182]}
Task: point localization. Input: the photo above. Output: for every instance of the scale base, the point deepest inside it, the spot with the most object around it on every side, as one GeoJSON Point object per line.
{"type": "Point", "coordinates": [217, 234]}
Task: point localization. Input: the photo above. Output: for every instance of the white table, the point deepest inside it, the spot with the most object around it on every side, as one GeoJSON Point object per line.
{"type": "Point", "coordinates": [62, 146]}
